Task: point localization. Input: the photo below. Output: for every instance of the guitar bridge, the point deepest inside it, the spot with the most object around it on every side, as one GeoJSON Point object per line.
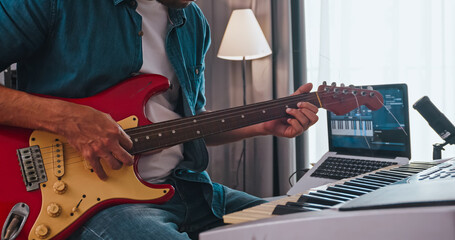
{"type": "Point", "coordinates": [32, 167]}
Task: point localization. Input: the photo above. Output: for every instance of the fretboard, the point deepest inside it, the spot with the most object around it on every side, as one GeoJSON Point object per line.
{"type": "Point", "coordinates": [169, 133]}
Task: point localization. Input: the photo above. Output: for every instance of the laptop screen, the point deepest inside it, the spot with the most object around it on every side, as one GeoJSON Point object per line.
{"type": "Point", "coordinates": [381, 133]}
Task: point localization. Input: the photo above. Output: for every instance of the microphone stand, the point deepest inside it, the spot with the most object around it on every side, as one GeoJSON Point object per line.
{"type": "Point", "coordinates": [437, 148]}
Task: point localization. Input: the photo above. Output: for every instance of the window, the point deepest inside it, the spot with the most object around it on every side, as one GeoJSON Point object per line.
{"type": "Point", "coordinates": [365, 42]}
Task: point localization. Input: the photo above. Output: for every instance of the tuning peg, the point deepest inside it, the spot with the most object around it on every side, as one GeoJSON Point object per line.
{"type": "Point", "coordinates": [342, 85]}
{"type": "Point", "coordinates": [334, 84]}
{"type": "Point", "coordinates": [324, 83]}
{"type": "Point", "coordinates": [370, 88]}
{"type": "Point", "coordinates": [351, 86]}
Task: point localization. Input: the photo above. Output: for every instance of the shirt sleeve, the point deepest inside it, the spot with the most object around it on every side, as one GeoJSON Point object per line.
{"type": "Point", "coordinates": [24, 26]}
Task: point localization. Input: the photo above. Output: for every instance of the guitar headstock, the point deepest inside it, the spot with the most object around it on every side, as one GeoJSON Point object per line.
{"type": "Point", "coordinates": [341, 100]}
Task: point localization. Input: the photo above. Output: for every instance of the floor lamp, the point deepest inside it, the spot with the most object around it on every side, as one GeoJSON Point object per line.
{"type": "Point", "coordinates": [243, 40]}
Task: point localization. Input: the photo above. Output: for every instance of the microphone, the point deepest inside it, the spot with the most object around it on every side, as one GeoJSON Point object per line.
{"type": "Point", "coordinates": [436, 119]}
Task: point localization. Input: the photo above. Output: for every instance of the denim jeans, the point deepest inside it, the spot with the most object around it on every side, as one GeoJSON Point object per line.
{"type": "Point", "coordinates": [183, 217]}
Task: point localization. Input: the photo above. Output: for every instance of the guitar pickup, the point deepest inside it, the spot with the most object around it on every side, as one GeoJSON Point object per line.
{"type": "Point", "coordinates": [32, 167]}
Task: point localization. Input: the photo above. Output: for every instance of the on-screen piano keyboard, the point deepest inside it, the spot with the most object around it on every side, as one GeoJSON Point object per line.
{"type": "Point", "coordinates": [352, 127]}
{"type": "Point", "coordinates": [329, 195]}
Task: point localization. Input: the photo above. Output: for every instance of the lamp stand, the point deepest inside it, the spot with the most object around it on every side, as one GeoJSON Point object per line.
{"type": "Point", "coordinates": [244, 140]}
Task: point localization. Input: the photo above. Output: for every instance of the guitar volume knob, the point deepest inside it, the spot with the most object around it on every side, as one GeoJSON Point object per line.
{"type": "Point", "coordinates": [42, 231]}
{"type": "Point", "coordinates": [60, 187]}
{"type": "Point", "coordinates": [54, 210]}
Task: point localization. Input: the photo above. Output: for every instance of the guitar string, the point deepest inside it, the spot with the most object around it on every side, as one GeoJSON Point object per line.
{"type": "Point", "coordinates": [151, 125]}
{"type": "Point", "coordinates": [77, 155]}
{"type": "Point", "coordinates": [228, 112]}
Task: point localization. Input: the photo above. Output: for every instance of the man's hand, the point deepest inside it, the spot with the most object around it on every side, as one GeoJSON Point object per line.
{"type": "Point", "coordinates": [93, 133]}
{"type": "Point", "coordinates": [304, 117]}
{"type": "Point", "coordinates": [96, 136]}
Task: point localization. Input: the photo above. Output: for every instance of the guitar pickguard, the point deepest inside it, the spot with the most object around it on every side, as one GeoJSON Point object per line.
{"type": "Point", "coordinates": [67, 198]}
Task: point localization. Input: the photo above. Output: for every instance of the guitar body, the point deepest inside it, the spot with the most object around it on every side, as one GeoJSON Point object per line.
{"type": "Point", "coordinates": [71, 192]}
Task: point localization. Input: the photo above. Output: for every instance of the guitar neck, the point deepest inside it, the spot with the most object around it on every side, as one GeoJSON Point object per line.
{"type": "Point", "coordinates": [169, 133]}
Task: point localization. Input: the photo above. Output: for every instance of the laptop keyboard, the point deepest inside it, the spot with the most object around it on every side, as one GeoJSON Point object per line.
{"type": "Point", "coordinates": [339, 168]}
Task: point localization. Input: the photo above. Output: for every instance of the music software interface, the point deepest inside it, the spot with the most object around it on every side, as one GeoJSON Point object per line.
{"type": "Point", "coordinates": [383, 129]}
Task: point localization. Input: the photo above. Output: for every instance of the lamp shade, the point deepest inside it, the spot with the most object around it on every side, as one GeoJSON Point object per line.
{"type": "Point", "coordinates": [243, 38]}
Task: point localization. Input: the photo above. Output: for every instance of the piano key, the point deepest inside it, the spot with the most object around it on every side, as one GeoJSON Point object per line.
{"type": "Point", "coordinates": [345, 190]}
{"type": "Point", "coordinates": [330, 196]}
{"type": "Point", "coordinates": [363, 185]}
{"type": "Point", "coordinates": [356, 188]}
{"type": "Point", "coordinates": [403, 172]}
{"type": "Point", "coordinates": [377, 177]}
{"type": "Point", "coordinates": [339, 194]}
{"type": "Point", "coordinates": [283, 209]}
{"type": "Point", "coordinates": [318, 200]}
{"type": "Point", "coordinates": [409, 169]}
{"type": "Point", "coordinates": [391, 175]}
{"type": "Point", "coordinates": [379, 182]}
{"type": "Point", "coordinates": [398, 174]}
{"type": "Point", "coordinates": [311, 205]}
{"type": "Point", "coordinates": [370, 181]}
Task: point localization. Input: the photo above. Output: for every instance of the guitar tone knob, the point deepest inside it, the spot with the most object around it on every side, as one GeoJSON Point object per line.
{"type": "Point", "coordinates": [54, 210]}
{"type": "Point", "coordinates": [42, 231]}
{"type": "Point", "coordinates": [60, 187]}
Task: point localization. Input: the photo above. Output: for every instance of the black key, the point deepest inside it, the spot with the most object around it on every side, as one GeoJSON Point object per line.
{"type": "Point", "coordinates": [402, 172]}
{"type": "Point", "coordinates": [311, 205]}
{"type": "Point", "coordinates": [283, 209]}
{"type": "Point", "coordinates": [330, 196]}
{"type": "Point", "coordinates": [376, 177]}
{"type": "Point", "coordinates": [391, 174]}
{"type": "Point", "coordinates": [346, 190]}
{"type": "Point", "coordinates": [362, 185]}
{"type": "Point", "coordinates": [366, 190]}
{"type": "Point", "coordinates": [410, 170]}
{"type": "Point", "coordinates": [379, 182]}
{"type": "Point", "coordinates": [351, 196]}
{"type": "Point", "coordinates": [364, 181]}
{"type": "Point", "coordinates": [318, 200]}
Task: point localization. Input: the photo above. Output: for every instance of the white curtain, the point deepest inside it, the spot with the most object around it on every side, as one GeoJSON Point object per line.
{"type": "Point", "coordinates": [385, 41]}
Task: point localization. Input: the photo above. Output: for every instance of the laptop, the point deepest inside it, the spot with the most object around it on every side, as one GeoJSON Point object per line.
{"type": "Point", "coordinates": [363, 140]}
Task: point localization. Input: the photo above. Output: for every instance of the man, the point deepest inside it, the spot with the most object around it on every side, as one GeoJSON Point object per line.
{"type": "Point", "coordinates": [79, 48]}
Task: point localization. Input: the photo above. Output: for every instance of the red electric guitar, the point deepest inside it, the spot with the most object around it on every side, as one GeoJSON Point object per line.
{"type": "Point", "coordinates": [48, 191]}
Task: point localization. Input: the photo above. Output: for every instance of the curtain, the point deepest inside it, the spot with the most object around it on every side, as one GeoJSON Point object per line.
{"type": "Point", "coordinates": [224, 90]}
{"type": "Point", "coordinates": [385, 41]}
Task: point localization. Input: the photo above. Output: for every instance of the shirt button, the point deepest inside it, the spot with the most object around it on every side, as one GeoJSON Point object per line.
{"type": "Point", "coordinates": [197, 71]}
{"type": "Point", "coordinates": [140, 33]}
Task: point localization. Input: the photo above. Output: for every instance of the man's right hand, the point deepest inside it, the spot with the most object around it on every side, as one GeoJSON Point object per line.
{"type": "Point", "coordinates": [96, 136]}
{"type": "Point", "coordinates": [93, 133]}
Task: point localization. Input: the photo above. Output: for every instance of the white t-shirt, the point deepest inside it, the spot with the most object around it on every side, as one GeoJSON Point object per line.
{"type": "Point", "coordinates": [156, 167]}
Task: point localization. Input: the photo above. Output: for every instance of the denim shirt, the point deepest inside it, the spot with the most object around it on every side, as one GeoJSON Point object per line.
{"type": "Point", "coordinates": [79, 48]}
